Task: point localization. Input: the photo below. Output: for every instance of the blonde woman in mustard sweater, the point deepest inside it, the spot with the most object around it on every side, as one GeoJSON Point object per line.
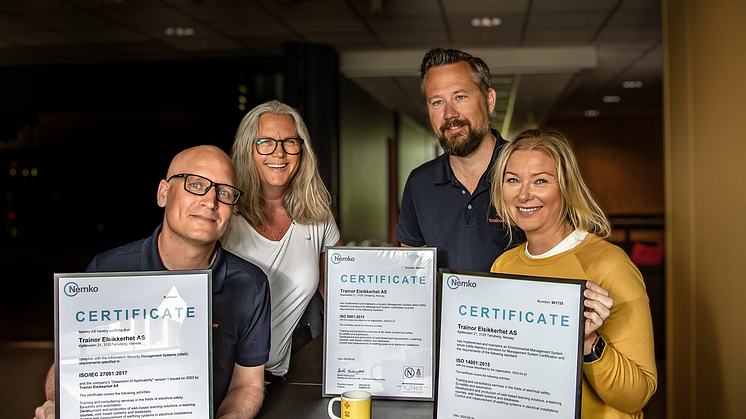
{"type": "Point", "coordinates": [537, 186]}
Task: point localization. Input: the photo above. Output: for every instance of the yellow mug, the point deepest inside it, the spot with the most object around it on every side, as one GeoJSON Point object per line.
{"type": "Point", "coordinates": [354, 405]}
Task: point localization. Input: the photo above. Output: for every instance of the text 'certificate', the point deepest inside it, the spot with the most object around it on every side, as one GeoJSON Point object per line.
{"type": "Point", "coordinates": [509, 346]}
{"type": "Point", "coordinates": [133, 344]}
{"type": "Point", "coordinates": [379, 322]}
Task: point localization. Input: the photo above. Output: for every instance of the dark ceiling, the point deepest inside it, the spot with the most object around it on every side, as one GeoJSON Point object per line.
{"type": "Point", "coordinates": [549, 58]}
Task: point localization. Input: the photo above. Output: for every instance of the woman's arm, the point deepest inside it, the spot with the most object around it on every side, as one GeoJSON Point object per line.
{"type": "Point", "coordinates": [625, 376]}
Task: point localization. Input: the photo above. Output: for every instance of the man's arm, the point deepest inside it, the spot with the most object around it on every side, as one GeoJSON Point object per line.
{"type": "Point", "coordinates": [46, 411]}
{"type": "Point", "coordinates": [245, 393]}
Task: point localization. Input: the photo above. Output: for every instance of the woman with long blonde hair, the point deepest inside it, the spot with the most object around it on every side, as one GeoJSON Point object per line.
{"type": "Point", "coordinates": [284, 223]}
{"type": "Point", "coordinates": [537, 186]}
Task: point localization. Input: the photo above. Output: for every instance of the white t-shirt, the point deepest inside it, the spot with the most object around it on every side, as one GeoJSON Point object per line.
{"type": "Point", "coordinates": [292, 266]}
{"type": "Point", "coordinates": [570, 242]}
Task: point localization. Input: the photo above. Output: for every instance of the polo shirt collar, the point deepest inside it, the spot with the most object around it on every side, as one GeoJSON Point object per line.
{"type": "Point", "coordinates": [444, 172]}
{"type": "Point", "coordinates": [151, 260]}
{"type": "Point", "coordinates": [219, 268]}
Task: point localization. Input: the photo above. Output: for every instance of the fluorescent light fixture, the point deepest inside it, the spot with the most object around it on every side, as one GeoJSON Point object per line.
{"type": "Point", "coordinates": [632, 84]}
{"type": "Point", "coordinates": [486, 22]}
{"type": "Point", "coordinates": [179, 31]}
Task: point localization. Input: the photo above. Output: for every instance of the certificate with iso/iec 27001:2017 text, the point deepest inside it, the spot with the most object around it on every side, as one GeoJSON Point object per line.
{"type": "Point", "coordinates": [133, 345]}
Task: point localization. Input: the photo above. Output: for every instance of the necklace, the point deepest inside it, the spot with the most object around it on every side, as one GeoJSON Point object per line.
{"type": "Point", "coordinates": [275, 225]}
{"type": "Point", "coordinates": [269, 232]}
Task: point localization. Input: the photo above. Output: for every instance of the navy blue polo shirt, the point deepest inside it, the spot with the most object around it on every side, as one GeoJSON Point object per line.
{"type": "Point", "coordinates": [438, 211]}
{"type": "Point", "coordinates": [240, 305]}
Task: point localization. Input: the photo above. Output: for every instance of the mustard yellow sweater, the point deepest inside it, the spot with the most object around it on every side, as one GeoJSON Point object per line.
{"type": "Point", "coordinates": [620, 383]}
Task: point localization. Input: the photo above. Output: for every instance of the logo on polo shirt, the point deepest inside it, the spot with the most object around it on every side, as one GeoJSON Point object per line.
{"type": "Point", "coordinates": [455, 283]}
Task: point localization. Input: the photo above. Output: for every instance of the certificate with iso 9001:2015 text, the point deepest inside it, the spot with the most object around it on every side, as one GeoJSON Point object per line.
{"type": "Point", "coordinates": [133, 344]}
{"type": "Point", "coordinates": [379, 322]}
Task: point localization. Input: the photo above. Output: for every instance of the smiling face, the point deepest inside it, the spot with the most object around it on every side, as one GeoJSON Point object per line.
{"type": "Point", "coordinates": [532, 194]}
{"type": "Point", "coordinates": [193, 219]}
{"type": "Point", "coordinates": [276, 170]}
{"type": "Point", "coordinates": [458, 110]}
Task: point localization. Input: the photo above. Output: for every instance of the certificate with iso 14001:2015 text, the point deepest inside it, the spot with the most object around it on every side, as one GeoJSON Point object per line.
{"type": "Point", "coordinates": [133, 344]}
{"type": "Point", "coordinates": [379, 322]}
{"type": "Point", "coordinates": [510, 346]}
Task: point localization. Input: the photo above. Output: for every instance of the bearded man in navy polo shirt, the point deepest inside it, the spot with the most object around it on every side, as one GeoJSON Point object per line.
{"type": "Point", "coordinates": [446, 202]}
{"type": "Point", "coordinates": [198, 199]}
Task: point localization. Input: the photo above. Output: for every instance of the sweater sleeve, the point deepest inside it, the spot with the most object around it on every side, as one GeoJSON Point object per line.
{"type": "Point", "coordinates": [625, 376]}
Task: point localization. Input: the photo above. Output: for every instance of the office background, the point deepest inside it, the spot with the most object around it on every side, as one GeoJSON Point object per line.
{"type": "Point", "coordinates": [96, 97]}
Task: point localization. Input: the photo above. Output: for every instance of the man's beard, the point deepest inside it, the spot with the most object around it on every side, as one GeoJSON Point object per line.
{"type": "Point", "coordinates": [455, 146]}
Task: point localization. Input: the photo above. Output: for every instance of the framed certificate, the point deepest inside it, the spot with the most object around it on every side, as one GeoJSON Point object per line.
{"type": "Point", "coordinates": [380, 322]}
{"type": "Point", "coordinates": [134, 344]}
{"type": "Point", "coordinates": [509, 346]}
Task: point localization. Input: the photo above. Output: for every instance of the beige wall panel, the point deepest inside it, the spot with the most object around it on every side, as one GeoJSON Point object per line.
{"type": "Point", "coordinates": [706, 156]}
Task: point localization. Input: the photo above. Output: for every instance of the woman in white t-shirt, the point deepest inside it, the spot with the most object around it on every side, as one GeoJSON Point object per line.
{"type": "Point", "coordinates": [284, 222]}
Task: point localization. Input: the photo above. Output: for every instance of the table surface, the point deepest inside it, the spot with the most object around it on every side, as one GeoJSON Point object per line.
{"type": "Point", "coordinates": [300, 396]}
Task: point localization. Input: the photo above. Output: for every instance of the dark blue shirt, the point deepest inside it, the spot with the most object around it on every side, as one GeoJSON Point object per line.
{"type": "Point", "coordinates": [240, 305]}
{"type": "Point", "coordinates": [438, 211]}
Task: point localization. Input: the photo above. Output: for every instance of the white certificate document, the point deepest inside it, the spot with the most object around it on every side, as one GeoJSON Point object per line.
{"type": "Point", "coordinates": [133, 344]}
{"type": "Point", "coordinates": [379, 321]}
{"type": "Point", "coordinates": [510, 346]}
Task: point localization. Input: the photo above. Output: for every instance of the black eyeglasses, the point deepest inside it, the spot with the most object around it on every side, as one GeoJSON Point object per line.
{"type": "Point", "coordinates": [266, 146]}
{"type": "Point", "coordinates": [199, 185]}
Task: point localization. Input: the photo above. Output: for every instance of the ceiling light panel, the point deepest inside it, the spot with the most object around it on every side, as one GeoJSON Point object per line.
{"type": "Point", "coordinates": [573, 5]}
{"type": "Point", "coordinates": [486, 22]}
{"type": "Point", "coordinates": [481, 7]}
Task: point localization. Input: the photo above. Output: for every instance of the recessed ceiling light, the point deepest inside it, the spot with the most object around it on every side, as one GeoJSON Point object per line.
{"type": "Point", "coordinates": [591, 113]}
{"type": "Point", "coordinates": [179, 31]}
{"type": "Point", "coordinates": [612, 99]}
{"type": "Point", "coordinates": [486, 22]}
{"type": "Point", "coordinates": [632, 84]}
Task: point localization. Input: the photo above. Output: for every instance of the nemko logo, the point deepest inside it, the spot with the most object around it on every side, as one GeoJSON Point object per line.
{"type": "Point", "coordinates": [454, 283]}
{"type": "Point", "coordinates": [336, 258]}
{"type": "Point", "coordinates": [72, 289]}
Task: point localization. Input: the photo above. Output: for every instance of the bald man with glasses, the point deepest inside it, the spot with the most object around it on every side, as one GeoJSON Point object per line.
{"type": "Point", "coordinates": [198, 198]}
